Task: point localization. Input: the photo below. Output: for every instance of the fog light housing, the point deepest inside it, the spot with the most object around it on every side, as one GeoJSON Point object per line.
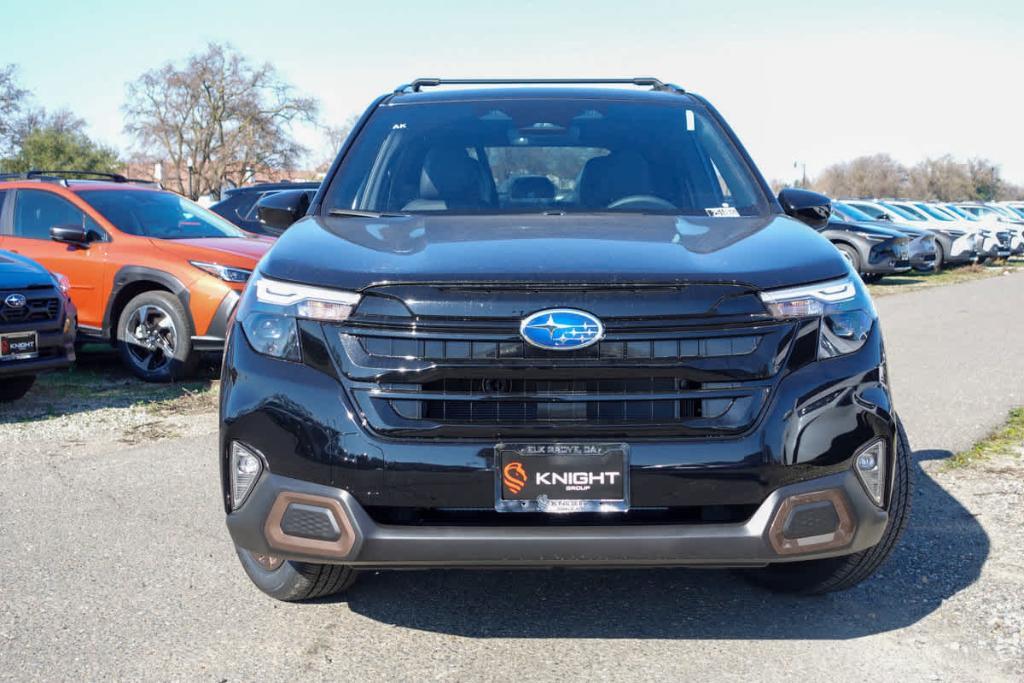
{"type": "Point", "coordinates": [869, 464]}
{"type": "Point", "coordinates": [245, 468]}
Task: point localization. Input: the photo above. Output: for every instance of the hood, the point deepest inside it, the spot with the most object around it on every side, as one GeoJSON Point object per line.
{"type": "Point", "coordinates": [229, 251]}
{"type": "Point", "coordinates": [883, 231]}
{"type": "Point", "coordinates": [355, 253]}
{"type": "Point", "coordinates": [18, 272]}
{"type": "Point", "coordinates": [909, 230]}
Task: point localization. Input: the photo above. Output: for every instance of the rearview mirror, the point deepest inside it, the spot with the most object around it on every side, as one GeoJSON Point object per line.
{"type": "Point", "coordinates": [70, 234]}
{"type": "Point", "coordinates": [806, 206]}
{"type": "Point", "coordinates": [279, 210]}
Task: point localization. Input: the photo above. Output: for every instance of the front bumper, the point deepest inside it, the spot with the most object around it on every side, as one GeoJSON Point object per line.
{"type": "Point", "coordinates": [216, 332]}
{"type": "Point", "coordinates": [362, 542]}
{"type": "Point", "coordinates": [391, 490]}
{"type": "Point", "coordinates": [55, 343]}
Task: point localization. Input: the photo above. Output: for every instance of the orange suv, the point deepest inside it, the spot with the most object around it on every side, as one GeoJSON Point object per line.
{"type": "Point", "coordinates": [150, 271]}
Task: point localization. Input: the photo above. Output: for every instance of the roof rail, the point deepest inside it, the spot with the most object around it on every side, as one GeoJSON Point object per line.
{"type": "Point", "coordinates": [113, 177]}
{"type": "Point", "coordinates": [654, 83]}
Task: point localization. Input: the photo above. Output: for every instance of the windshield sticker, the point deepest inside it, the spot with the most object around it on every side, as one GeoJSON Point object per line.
{"type": "Point", "coordinates": [723, 212]}
{"type": "Point", "coordinates": [690, 123]}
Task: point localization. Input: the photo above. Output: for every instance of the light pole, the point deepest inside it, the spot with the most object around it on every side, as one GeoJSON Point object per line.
{"type": "Point", "coordinates": [803, 174]}
{"type": "Point", "coordinates": [191, 170]}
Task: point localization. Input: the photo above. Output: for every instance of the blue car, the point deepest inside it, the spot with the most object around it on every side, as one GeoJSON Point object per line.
{"type": "Point", "coordinates": [37, 324]}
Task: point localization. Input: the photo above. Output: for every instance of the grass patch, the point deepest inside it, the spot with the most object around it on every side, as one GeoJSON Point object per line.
{"type": "Point", "coordinates": [905, 282]}
{"type": "Point", "coordinates": [914, 280]}
{"type": "Point", "coordinates": [1006, 440]}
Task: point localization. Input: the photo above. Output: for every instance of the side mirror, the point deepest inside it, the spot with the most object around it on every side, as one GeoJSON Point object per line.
{"type": "Point", "coordinates": [810, 207]}
{"type": "Point", "coordinates": [885, 217]}
{"type": "Point", "coordinates": [71, 234]}
{"type": "Point", "coordinates": [279, 210]}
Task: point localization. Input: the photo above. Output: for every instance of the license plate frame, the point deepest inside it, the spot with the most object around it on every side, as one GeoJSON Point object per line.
{"type": "Point", "coordinates": [9, 352]}
{"type": "Point", "coordinates": [580, 464]}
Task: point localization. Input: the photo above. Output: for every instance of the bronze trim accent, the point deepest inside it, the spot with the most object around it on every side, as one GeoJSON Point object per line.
{"type": "Point", "coordinates": [837, 539]}
{"type": "Point", "coordinates": [279, 540]}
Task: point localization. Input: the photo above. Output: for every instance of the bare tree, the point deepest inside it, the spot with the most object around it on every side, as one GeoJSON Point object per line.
{"type": "Point", "coordinates": [878, 175]}
{"type": "Point", "coordinates": [334, 136]}
{"type": "Point", "coordinates": [219, 114]}
{"type": "Point", "coordinates": [12, 102]}
{"type": "Point", "coordinates": [943, 179]}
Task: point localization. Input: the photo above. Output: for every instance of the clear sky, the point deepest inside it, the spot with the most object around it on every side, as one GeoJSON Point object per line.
{"type": "Point", "coordinates": [816, 81]}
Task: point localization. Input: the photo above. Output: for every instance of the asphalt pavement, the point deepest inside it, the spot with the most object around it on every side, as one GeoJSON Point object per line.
{"type": "Point", "coordinates": [116, 564]}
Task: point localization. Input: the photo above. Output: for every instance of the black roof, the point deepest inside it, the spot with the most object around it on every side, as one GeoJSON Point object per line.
{"type": "Point", "coordinates": [264, 187]}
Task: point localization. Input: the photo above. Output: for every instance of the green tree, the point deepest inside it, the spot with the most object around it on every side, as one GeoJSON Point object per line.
{"type": "Point", "coordinates": [12, 103]}
{"type": "Point", "coordinates": [58, 148]}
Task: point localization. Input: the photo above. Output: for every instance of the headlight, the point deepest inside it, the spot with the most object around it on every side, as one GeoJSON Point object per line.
{"type": "Point", "coordinates": [843, 306]}
{"type": "Point", "coordinates": [870, 236]}
{"type": "Point", "coordinates": [270, 308]}
{"type": "Point", "coordinates": [62, 282]}
{"type": "Point", "coordinates": [226, 273]}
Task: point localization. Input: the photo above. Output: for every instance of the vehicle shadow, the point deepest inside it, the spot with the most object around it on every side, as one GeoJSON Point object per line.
{"type": "Point", "coordinates": [941, 553]}
{"type": "Point", "coordinates": [97, 380]}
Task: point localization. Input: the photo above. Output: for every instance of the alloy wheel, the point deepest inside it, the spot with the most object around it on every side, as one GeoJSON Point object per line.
{"type": "Point", "coordinates": [151, 337]}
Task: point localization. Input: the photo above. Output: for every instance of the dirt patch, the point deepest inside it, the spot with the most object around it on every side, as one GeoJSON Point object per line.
{"type": "Point", "coordinates": [99, 399]}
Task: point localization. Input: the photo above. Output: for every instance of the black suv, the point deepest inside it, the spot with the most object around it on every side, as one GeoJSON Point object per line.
{"type": "Point", "coordinates": [37, 324]}
{"type": "Point", "coordinates": [238, 204]}
{"type": "Point", "coordinates": [556, 324]}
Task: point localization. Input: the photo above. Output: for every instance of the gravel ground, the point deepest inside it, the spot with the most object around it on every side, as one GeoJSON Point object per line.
{"type": "Point", "coordinates": [117, 563]}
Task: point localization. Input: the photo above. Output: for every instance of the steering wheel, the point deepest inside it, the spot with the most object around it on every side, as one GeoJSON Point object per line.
{"type": "Point", "coordinates": [642, 201]}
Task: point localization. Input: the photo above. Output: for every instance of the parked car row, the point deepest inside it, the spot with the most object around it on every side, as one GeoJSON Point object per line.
{"type": "Point", "coordinates": [939, 234]}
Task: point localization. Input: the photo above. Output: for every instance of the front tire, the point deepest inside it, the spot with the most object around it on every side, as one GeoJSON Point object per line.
{"type": "Point", "coordinates": [13, 388]}
{"type": "Point", "coordinates": [851, 256]}
{"type": "Point", "coordinates": [814, 577]}
{"type": "Point", "coordinates": [291, 581]}
{"type": "Point", "coordinates": [940, 257]}
{"type": "Point", "coordinates": [154, 336]}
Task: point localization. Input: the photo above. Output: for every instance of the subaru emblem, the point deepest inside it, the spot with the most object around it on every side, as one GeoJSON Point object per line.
{"type": "Point", "coordinates": [561, 329]}
{"type": "Point", "coordinates": [15, 301]}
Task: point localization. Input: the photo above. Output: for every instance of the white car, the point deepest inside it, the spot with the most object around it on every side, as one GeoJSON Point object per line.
{"type": "Point", "coordinates": [1016, 207]}
{"type": "Point", "coordinates": [965, 234]}
{"type": "Point", "coordinates": [996, 221]}
{"type": "Point", "coordinates": [1015, 224]}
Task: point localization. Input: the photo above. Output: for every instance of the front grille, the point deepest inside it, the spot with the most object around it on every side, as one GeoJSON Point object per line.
{"type": "Point", "coordinates": [523, 401]}
{"type": "Point", "coordinates": [484, 517]}
{"type": "Point", "coordinates": [439, 384]}
{"type": "Point", "coordinates": [35, 309]}
{"type": "Point", "coordinates": [462, 349]}
{"type": "Point", "coordinates": [431, 362]}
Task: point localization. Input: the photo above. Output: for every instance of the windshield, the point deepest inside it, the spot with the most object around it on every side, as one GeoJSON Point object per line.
{"type": "Point", "coordinates": [1002, 211]}
{"type": "Point", "coordinates": [904, 212]}
{"type": "Point", "coordinates": [946, 211]}
{"type": "Point", "coordinates": [550, 155]}
{"type": "Point", "coordinates": [934, 213]}
{"type": "Point", "coordinates": [851, 212]}
{"type": "Point", "coordinates": [1019, 210]}
{"type": "Point", "coordinates": [959, 212]}
{"type": "Point", "coordinates": [161, 215]}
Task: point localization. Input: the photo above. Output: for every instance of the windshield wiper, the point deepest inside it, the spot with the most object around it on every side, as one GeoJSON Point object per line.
{"type": "Point", "coordinates": [353, 213]}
